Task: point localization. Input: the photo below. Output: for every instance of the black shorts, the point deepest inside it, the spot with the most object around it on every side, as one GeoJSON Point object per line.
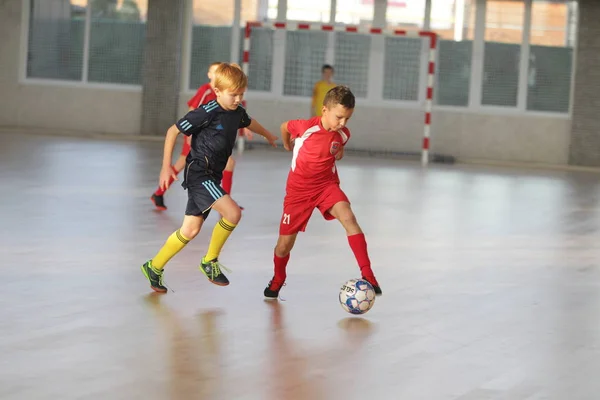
{"type": "Point", "coordinates": [203, 190]}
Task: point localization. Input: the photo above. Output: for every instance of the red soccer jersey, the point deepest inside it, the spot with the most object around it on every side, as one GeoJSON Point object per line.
{"type": "Point", "coordinates": [313, 162]}
{"type": "Point", "coordinates": [203, 95]}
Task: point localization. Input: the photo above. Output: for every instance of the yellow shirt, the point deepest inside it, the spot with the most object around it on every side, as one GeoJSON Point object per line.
{"type": "Point", "coordinates": [320, 90]}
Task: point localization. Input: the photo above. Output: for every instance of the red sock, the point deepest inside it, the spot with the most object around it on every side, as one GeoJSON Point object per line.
{"type": "Point", "coordinates": [159, 191]}
{"type": "Point", "coordinates": [358, 244]}
{"type": "Point", "coordinates": [280, 264]}
{"type": "Point", "coordinates": [227, 181]}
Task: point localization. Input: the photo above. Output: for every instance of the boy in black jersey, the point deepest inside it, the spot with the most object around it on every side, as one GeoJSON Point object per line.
{"type": "Point", "coordinates": [213, 128]}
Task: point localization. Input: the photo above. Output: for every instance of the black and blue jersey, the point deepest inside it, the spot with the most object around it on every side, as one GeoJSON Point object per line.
{"type": "Point", "coordinates": [214, 131]}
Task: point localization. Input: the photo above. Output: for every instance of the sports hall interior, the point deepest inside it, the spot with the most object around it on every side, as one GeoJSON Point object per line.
{"type": "Point", "coordinates": [486, 248]}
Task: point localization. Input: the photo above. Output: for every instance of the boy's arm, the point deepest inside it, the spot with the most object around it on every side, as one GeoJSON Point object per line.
{"type": "Point", "coordinates": [258, 128]}
{"type": "Point", "coordinates": [285, 137]}
{"type": "Point", "coordinates": [166, 172]}
{"type": "Point", "coordinates": [345, 137]}
{"type": "Point", "coordinates": [340, 154]}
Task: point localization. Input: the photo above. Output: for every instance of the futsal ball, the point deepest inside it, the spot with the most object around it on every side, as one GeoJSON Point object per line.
{"type": "Point", "coordinates": [357, 296]}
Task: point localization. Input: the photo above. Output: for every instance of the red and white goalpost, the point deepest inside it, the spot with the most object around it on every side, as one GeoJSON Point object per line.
{"type": "Point", "coordinates": [431, 36]}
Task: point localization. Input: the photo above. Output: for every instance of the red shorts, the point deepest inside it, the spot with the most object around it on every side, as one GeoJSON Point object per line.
{"type": "Point", "coordinates": [187, 146]}
{"type": "Point", "coordinates": [298, 208]}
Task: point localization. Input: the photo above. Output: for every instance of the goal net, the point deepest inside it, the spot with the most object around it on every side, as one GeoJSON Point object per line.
{"type": "Point", "coordinates": [391, 72]}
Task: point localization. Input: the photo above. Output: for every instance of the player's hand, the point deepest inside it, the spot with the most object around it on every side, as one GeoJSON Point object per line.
{"type": "Point", "coordinates": [288, 145]}
{"type": "Point", "coordinates": [248, 134]}
{"type": "Point", "coordinates": [272, 139]}
{"type": "Point", "coordinates": [166, 174]}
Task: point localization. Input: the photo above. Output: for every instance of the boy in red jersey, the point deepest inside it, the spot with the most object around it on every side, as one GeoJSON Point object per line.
{"type": "Point", "coordinates": [313, 182]}
{"type": "Point", "coordinates": [204, 95]}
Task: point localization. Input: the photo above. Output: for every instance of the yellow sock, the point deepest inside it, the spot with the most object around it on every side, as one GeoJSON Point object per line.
{"type": "Point", "coordinates": [172, 246]}
{"type": "Point", "coordinates": [219, 236]}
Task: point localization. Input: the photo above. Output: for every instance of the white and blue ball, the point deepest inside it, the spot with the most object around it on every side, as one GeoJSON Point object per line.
{"type": "Point", "coordinates": [357, 296]}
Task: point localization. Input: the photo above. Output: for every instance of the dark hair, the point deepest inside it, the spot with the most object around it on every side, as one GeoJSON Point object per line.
{"type": "Point", "coordinates": [325, 67]}
{"type": "Point", "coordinates": [339, 95]}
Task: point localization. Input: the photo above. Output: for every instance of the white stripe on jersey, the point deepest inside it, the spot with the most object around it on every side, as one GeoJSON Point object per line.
{"type": "Point", "coordinates": [206, 93]}
{"type": "Point", "coordinates": [300, 141]}
{"type": "Point", "coordinates": [343, 135]}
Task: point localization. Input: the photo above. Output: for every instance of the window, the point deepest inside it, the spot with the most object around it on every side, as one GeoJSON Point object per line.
{"type": "Point", "coordinates": [304, 57]}
{"type": "Point", "coordinates": [212, 31]}
{"type": "Point", "coordinates": [56, 32]}
{"type": "Point", "coordinates": [272, 9]}
{"type": "Point", "coordinates": [211, 37]}
{"type": "Point", "coordinates": [550, 56]}
{"type": "Point", "coordinates": [403, 14]}
{"type": "Point", "coordinates": [502, 52]}
{"type": "Point", "coordinates": [454, 73]}
{"type": "Point", "coordinates": [309, 10]}
{"type": "Point", "coordinates": [117, 34]}
{"type": "Point", "coordinates": [402, 68]}
{"type": "Point", "coordinates": [352, 53]}
{"type": "Point", "coordinates": [453, 19]}
{"type": "Point", "coordinates": [354, 12]}
{"type": "Point", "coordinates": [261, 59]}
{"type": "Point", "coordinates": [454, 22]}
{"type": "Point", "coordinates": [302, 10]}
{"type": "Point", "coordinates": [115, 49]}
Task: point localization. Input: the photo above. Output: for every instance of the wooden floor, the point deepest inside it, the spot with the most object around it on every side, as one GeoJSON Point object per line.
{"type": "Point", "coordinates": [491, 283]}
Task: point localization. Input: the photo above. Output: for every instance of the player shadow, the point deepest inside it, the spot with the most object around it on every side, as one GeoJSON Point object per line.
{"type": "Point", "coordinates": [194, 358]}
{"type": "Point", "coordinates": [289, 366]}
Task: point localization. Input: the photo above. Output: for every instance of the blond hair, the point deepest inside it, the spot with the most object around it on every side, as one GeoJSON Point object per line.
{"type": "Point", "coordinates": [229, 76]}
{"type": "Point", "coordinates": [214, 64]}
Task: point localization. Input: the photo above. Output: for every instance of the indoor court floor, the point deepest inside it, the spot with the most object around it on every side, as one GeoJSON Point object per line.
{"type": "Point", "coordinates": [490, 275]}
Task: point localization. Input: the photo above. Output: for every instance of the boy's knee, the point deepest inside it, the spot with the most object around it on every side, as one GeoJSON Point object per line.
{"type": "Point", "coordinates": [234, 215]}
{"type": "Point", "coordinates": [283, 247]}
{"type": "Point", "coordinates": [348, 219]}
{"type": "Point", "coordinates": [350, 224]}
{"type": "Point", "coordinates": [189, 232]}
{"type": "Point", "coordinates": [282, 250]}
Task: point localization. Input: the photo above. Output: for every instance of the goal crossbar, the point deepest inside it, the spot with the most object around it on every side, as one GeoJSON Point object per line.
{"type": "Point", "coordinates": [299, 26]}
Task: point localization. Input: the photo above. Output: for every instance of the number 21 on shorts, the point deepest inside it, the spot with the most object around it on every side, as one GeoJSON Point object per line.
{"type": "Point", "coordinates": [286, 219]}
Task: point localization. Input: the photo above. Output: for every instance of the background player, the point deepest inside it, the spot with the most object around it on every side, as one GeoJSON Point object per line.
{"type": "Point", "coordinates": [204, 95]}
{"type": "Point", "coordinates": [313, 182]}
{"type": "Point", "coordinates": [320, 89]}
{"type": "Point", "coordinates": [214, 128]}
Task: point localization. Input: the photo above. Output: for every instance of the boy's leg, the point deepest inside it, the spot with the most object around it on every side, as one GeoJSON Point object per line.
{"type": "Point", "coordinates": [153, 269]}
{"type": "Point", "coordinates": [281, 256]}
{"type": "Point", "coordinates": [296, 214]}
{"type": "Point", "coordinates": [335, 204]}
{"type": "Point", "coordinates": [231, 215]}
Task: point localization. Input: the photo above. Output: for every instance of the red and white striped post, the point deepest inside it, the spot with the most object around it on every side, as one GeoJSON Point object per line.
{"type": "Point", "coordinates": [292, 26]}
